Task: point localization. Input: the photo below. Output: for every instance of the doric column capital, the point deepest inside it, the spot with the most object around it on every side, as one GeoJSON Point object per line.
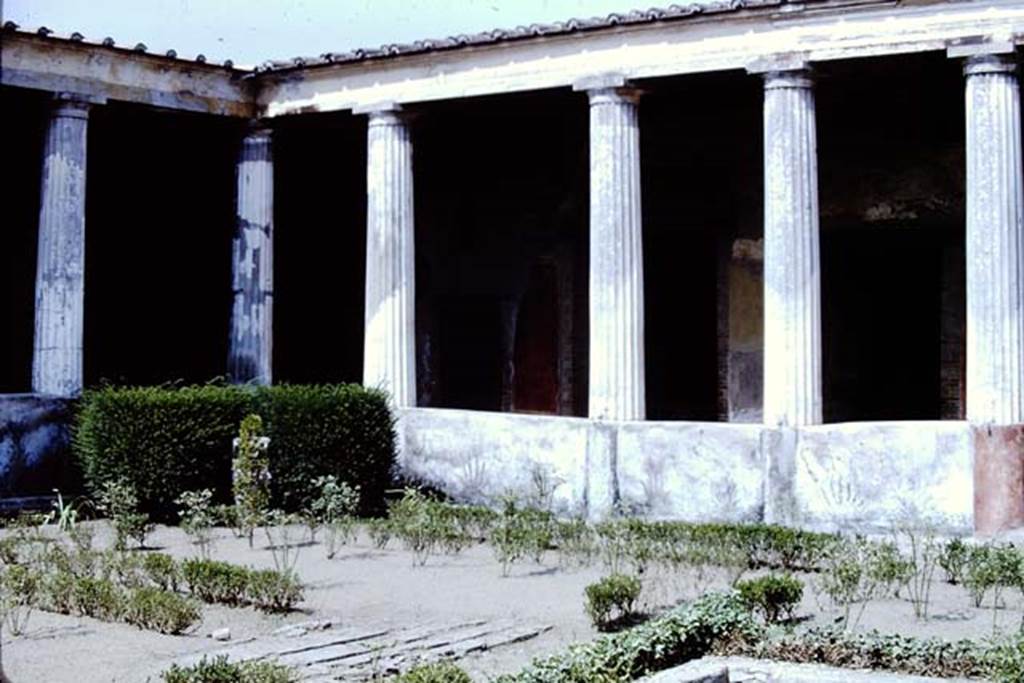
{"type": "Point", "coordinates": [976, 65]}
{"type": "Point", "coordinates": [385, 114]}
{"type": "Point", "coordinates": [73, 105]}
{"type": "Point", "coordinates": [624, 95]}
{"type": "Point", "coordinates": [800, 78]}
{"type": "Point", "coordinates": [608, 89]}
{"type": "Point", "coordinates": [257, 129]}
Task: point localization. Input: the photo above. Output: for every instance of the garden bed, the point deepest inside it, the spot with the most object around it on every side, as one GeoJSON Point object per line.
{"type": "Point", "coordinates": [367, 587]}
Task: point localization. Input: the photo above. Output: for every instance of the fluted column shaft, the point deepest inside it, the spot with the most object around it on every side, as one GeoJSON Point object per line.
{"type": "Point", "coordinates": [60, 265]}
{"type": "Point", "coordinates": [390, 344]}
{"type": "Point", "coordinates": [792, 260]}
{"type": "Point", "coordinates": [995, 229]}
{"type": "Point", "coordinates": [617, 383]}
{"type": "Point", "coordinates": [250, 352]}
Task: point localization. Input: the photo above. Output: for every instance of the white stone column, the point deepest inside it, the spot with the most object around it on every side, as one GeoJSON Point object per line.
{"type": "Point", "coordinates": [617, 383]}
{"type": "Point", "coordinates": [995, 229]}
{"type": "Point", "coordinates": [389, 355]}
{"type": "Point", "coordinates": [252, 314]}
{"type": "Point", "coordinates": [60, 265]}
{"type": "Point", "coordinates": [792, 260]}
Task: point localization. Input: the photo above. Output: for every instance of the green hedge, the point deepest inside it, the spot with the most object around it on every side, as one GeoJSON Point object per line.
{"type": "Point", "coordinates": [169, 440]}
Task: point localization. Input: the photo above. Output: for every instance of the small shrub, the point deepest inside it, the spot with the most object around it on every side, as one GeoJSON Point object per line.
{"type": "Point", "coordinates": [520, 532]}
{"type": "Point", "coordinates": [953, 559]}
{"type": "Point", "coordinates": [216, 582]}
{"type": "Point", "coordinates": [574, 540]}
{"type": "Point", "coordinates": [250, 475]}
{"type": "Point", "coordinates": [847, 579]}
{"type": "Point", "coordinates": [19, 587]}
{"type": "Point", "coordinates": [273, 591]}
{"type": "Point", "coordinates": [198, 517]}
{"type": "Point", "coordinates": [616, 594]}
{"type": "Point", "coordinates": [283, 539]}
{"type": "Point", "coordinates": [919, 537]}
{"type": "Point", "coordinates": [120, 502]}
{"type": "Point", "coordinates": [774, 597]}
{"type": "Point", "coordinates": [380, 531]}
{"type": "Point", "coordinates": [890, 570]}
{"type": "Point", "coordinates": [426, 526]}
{"type": "Point", "coordinates": [162, 570]}
{"type": "Point", "coordinates": [126, 569]}
{"type": "Point", "coordinates": [436, 672]}
{"type": "Point", "coordinates": [98, 598]}
{"type": "Point", "coordinates": [159, 610]}
{"type": "Point", "coordinates": [220, 670]}
{"type": "Point", "coordinates": [334, 508]}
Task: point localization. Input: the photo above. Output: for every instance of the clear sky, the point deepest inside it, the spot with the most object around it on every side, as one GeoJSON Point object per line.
{"type": "Point", "coordinates": [250, 31]}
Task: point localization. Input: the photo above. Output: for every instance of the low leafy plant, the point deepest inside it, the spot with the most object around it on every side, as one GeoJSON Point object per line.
{"type": "Point", "coordinates": [98, 598]}
{"type": "Point", "coordinates": [118, 500]}
{"type": "Point", "coordinates": [219, 670]}
{"type": "Point", "coordinates": [63, 515]}
{"type": "Point", "coordinates": [216, 582]}
{"type": "Point", "coordinates": [872, 650]}
{"type": "Point", "coordinates": [774, 597]}
{"type": "Point", "coordinates": [435, 672]}
{"type": "Point", "coordinates": [1005, 659]}
{"type": "Point", "coordinates": [158, 610]}
{"type": "Point", "coordinates": [613, 595]}
{"type": "Point", "coordinates": [198, 518]}
{"type": "Point", "coordinates": [273, 591]}
{"type": "Point", "coordinates": [162, 570]}
{"type": "Point", "coordinates": [678, 636]}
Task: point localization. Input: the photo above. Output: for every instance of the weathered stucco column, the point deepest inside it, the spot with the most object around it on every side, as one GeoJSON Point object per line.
{"type": "Point", "coordinates": [995, 229]}
{"type": "Point", "coordinates": [252, 314]}
{"type": "Point", "coordinates": [389, 356]}
{"type": "Point", "coordinates": [995, 289]}
{"type": "Point", "coordinates": [60, 265]}
{"type": "Point", "coordinates": [792, 261]}
{"type": "Point", "coordinates": [617, 383]}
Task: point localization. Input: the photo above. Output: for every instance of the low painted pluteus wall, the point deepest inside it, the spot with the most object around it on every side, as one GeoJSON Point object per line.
{"type": "Point", "coordinates": [853, 476]}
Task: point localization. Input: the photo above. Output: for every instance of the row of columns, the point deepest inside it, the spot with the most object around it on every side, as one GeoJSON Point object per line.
{"type": "Point", "coordinates": [792, 270]}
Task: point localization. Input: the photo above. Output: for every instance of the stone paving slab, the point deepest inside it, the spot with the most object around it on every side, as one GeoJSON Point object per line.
{"type": "Point", "coordinates": [320, 652]}
{"type": "Point", "coordinates": [746, 670]}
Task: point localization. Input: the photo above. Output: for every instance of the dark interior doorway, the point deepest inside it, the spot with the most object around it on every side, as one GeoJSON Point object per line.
{"type": "Point", "coordinates": [159, 221]}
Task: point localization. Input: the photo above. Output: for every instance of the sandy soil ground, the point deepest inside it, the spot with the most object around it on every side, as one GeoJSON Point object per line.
{"type": "Point", "coordinates": [363, 586]}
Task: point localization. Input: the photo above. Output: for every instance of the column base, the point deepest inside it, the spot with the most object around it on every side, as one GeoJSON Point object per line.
{"type": "Point", "coordinates": [998, 478]}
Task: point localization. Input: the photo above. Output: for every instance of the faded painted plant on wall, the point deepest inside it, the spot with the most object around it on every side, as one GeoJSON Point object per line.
{"type": "Point", "coordinates": [250, 471]}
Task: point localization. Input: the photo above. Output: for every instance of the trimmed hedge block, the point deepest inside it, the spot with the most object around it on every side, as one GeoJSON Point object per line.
{"type": "Point", "coordinates": [166, 440]}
